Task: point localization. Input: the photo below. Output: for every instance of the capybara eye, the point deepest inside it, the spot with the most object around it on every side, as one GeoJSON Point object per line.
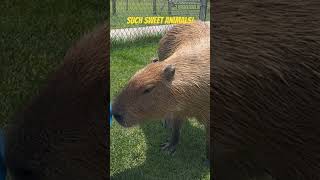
{"type": "Point", "coordinates": [148, 90]}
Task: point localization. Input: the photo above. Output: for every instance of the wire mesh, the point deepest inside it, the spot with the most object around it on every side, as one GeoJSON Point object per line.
{"type": "Point", "coordinates": [123, 11]}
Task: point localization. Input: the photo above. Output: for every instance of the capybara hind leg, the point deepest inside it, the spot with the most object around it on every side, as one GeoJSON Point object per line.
{"type": "Point", "coordinates": [173, 141]}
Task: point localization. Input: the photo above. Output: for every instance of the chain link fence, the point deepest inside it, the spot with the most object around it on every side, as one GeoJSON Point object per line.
{"type": "Point", "coordinates": [136, 18]}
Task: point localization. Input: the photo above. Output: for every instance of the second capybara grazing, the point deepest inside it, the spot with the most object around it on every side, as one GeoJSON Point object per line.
{"type": "Point", "coordinates": [266, 89]}
{"type": "Point", "coordinates": [180, 35]}
{"type": "Point", "coordinates": [62, 133]}
{"type": "Point", "coordinates": [174, 88]}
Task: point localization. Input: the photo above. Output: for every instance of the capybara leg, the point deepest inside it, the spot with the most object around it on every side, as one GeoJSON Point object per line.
{"type": "Point", "coordinates": [165, 123]}
{"type": "Point", "coordinates": [171, 144]}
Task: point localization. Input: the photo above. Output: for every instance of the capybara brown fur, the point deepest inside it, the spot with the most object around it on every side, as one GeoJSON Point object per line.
{"type": "Point", "coordinates": [265, 79]}
{"type": "Point", "coordinates": [176, 87]}
{"type": "Point", "coordinates": [176, 37]}
{"type": "Point", "coordinates": [62, 133]}
{"type": "Point", "coordinates": [180, 35]}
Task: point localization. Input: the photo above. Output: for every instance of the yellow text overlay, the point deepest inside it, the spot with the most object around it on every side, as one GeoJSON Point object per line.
{"type": "Point", "coordinates": [159, 20]}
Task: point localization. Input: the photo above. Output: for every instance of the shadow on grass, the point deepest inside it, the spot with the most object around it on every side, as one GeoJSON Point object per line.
{"type": "Point", "coordinates": [186, 163]}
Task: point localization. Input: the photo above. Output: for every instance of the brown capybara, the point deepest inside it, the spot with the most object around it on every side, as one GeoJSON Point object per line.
{"type": "Point", "coordinates": [62, 133]}
{"type": "Point", "coordinates": [176, 37]}
{"type": "Point", "coordinates": [174, 88]}
{"type": "Point", "coordinates": [265, 79]}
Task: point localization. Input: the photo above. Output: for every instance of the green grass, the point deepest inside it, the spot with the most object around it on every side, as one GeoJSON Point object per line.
{"type": "Point", "coordinates": [35, 35]}
{"type": "Point", "coordinates": [135, 152]}
{"type": "Point", "coordinates": [145, 8]}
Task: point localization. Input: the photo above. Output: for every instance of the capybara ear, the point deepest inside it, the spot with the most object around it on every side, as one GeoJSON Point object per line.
{"type": "Point", "coordinates": [154, 59]}
{"type": "Point", "coordinates": [169, 71]}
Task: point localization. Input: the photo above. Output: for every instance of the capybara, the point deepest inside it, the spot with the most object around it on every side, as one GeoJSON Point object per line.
{"type": "Point", "coordinates": [62, 133]}
{"type": "Point", "coordinates": [174, 87]}
{"type": "Point", "coordinates": [174, 38]}
{"type": "Point", "coordinates": [265, 79]}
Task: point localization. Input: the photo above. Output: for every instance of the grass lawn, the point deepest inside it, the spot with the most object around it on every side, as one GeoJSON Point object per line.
{"type": "Point", "coordinates": [35, 35]}
{"type": "Point", "coordinates": [135, 152]}
{"type": "Point", "coordinates": [145, 8]}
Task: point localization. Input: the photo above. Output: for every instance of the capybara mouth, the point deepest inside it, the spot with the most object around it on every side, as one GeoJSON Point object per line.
{"type": "Point", "coordinates": [121, 120]}
{"type": "Point", "coordinates": [123, 123]}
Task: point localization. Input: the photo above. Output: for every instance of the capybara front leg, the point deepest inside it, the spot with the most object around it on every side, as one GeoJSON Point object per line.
{"type": "Point", "coordinates": [170, 145]}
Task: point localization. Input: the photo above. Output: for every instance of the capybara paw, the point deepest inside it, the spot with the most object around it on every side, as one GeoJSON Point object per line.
{"type": "Point", "coordinates": [169, 148]}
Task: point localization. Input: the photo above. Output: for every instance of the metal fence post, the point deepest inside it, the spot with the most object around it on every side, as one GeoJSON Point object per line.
{"type": "Point", "coordinates": [154, 4]}
{"type": "Point", "coordinates": [203, 10]}
{"type": "Point", "coordinates": [114, 9]}
{"type": "Point", "coordinates": [170, 7]}
{"type": "Point", "coordinates": [127, 5]}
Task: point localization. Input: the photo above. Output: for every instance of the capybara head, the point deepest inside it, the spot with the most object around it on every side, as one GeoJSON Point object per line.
{"type": "Point", "coordinates": [148, 95]}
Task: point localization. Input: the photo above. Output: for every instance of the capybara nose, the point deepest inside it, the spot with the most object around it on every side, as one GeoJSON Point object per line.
{"type": "Point", "coordinates": [118, 117]}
